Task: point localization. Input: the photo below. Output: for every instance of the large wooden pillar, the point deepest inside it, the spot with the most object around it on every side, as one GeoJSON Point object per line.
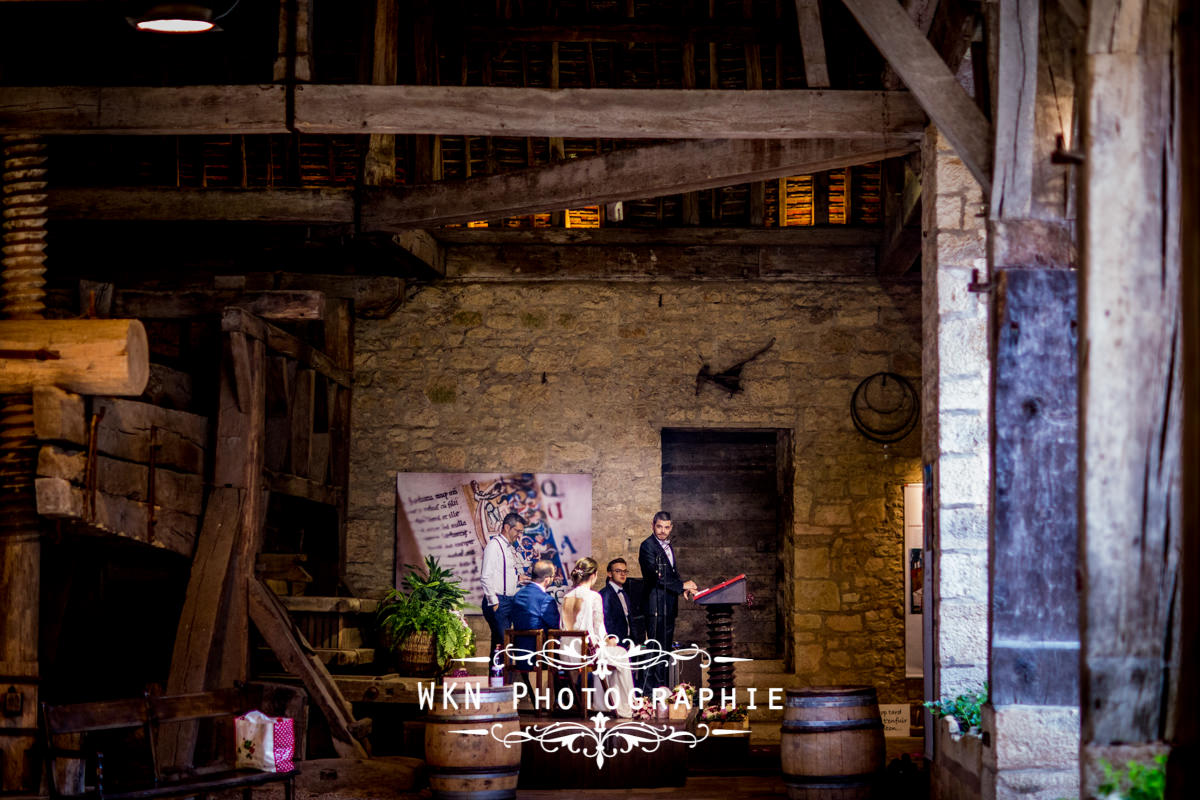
{"type": "Point", "coordinates": [1130, 385]}
{"type": "Point", "coordinates": [1183, 779]}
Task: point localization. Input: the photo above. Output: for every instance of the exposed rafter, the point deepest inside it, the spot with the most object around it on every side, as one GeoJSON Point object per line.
{"type": "Point", "coordinates": [925, 73]}
{"type": "Point", "coordinates": [622, 175]}
{"type": "Point", "coordinates": [812, 44]}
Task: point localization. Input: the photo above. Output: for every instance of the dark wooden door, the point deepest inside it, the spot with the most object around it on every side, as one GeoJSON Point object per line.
{"type": "Point", "coordinates": [722, 490]}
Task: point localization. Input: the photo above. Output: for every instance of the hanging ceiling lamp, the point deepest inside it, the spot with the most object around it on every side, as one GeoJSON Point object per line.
{"type": "Point", "coordinates": [175, 18]}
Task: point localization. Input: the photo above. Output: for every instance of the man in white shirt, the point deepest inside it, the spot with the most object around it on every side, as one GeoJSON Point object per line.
{"type": "Point", "coordinates": [502, 575]}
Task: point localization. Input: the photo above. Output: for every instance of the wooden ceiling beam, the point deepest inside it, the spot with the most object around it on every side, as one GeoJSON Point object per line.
{"type": "Point", "coordinates": [925, 73]}
{"type": "Point", "coordinates": [627, 33]}
{"type": "Point", "coordinates": [480, 111]}
{"type": "Point", "coordinates": [300, 206]}
{"type": "Point", "coordinates": [609, 113]}
{"type": "Point", "coordinates": [921, 12]}
{"type": "Point", "coordinates": [621, 175]}
{"type": "Point", "coordinates": [812, 44]}
{"type": "Point", "coordinates": [144, 110]}
{"type": "Point", "coordinates": [841, 236]}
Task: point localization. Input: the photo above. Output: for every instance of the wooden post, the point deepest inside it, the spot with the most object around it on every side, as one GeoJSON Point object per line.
{"type": "Point", "coordinates": [339, 345]}
{"type": "Point", "coordinates": [380, 166]}
{"type": "Point", "coordinates": [1130, 385]}
{"type": "Point", "coordinates": [1183, 780]}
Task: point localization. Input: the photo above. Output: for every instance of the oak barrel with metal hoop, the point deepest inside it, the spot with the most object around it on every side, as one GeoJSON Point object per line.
{"type": "Point", "coordinates": [464, 766]}
{"type": "Point", "coordinates": [832, 743]}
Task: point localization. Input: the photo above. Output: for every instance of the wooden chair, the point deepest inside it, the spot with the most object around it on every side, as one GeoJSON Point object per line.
{"type": "Point", "coordinates": [540, 675]}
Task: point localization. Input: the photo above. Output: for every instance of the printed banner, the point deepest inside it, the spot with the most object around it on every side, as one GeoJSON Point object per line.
{"type": "Point", "coordinates": [451, 516]}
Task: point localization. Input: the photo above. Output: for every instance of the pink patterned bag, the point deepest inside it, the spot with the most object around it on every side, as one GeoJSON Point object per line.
{"type": "Point", "coordinates": [265, 743]}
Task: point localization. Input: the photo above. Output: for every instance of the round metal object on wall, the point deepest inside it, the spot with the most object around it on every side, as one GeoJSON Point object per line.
{"type": "Point", "coordinates": [885, 407]}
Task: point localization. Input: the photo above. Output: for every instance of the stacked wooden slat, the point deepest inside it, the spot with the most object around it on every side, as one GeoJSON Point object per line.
{"type": "Point", "coordinates": [128, 468]}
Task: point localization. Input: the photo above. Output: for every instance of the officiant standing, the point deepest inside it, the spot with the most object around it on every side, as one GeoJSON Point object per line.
{"type": "Point", "coordinates": [662, 586]}
{"type": "Point", "coordinates": [502, 575]}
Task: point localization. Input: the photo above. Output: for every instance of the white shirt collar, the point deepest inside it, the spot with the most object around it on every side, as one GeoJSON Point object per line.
{"type": "Point", "coordinates": [616, 586]}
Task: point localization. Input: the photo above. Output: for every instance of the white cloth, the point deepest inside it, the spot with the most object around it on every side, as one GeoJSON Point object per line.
{"type": "Point", "coordinates": [612, 662]}
{"type": "Point", "coordinates": [501, 569]}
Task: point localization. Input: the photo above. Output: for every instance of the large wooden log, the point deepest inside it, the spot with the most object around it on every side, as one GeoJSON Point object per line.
{"type": "Point", "coordinates": [90, 356]}
{"type": "Point", "coordinates": [158, 526]}
{"type": "Point", "coordinates": [178, 491]}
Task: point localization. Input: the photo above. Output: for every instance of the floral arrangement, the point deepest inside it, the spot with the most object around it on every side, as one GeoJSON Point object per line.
{"type": "Point", "coordinates": [642, 709]}
{"type": "Point", "coordinates": [689, 692]}
{"type": "Point", "coordinates": [729, 713]}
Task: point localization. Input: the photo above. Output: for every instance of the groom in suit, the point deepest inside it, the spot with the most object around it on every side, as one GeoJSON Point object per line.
{"type": "Point", "coordinates": [662, 587]}
{"type": "Point", "coordinates": [621, 617]}
{"type": "Point", "coordinates": [533, 607]}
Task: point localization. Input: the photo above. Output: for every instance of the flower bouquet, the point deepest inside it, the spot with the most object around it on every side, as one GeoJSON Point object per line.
{"type": "Point", "coordinates": [681, 701]}
{"type": "Point", "coordinates": [730, 716]}
{"type": "Point", "coordinates": [643, 709]}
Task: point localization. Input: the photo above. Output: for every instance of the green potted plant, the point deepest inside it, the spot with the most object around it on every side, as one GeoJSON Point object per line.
{"type": "Point", "coordinates": [423, 621]}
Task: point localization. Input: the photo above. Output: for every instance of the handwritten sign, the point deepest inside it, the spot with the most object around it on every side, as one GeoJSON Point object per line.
{"type": "Point", "coordinates": [895, 718]}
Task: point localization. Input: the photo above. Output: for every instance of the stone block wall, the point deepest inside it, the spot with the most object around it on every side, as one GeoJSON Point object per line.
{"type": "Point", "coordinates": [955, 424]}
{"type": "Point", "coordinates": [583, 377]}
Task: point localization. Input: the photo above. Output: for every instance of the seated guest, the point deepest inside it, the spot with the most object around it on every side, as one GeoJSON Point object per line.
{"type": "Point", "coordinates": [533, 607]}
{"type": "Point", "coordinates": [620, 613]}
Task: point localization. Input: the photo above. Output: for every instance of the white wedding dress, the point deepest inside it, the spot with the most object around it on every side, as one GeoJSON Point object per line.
{"type": "Point", "coordinates": [612, 662]}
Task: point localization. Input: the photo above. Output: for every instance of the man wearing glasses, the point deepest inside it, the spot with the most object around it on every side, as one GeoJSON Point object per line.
{"type": "Point", "coordinates": [622, 617]}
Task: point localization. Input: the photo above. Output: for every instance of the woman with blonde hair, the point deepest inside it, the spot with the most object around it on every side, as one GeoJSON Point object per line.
{"type": "Point", "coordinates": [583, 610]}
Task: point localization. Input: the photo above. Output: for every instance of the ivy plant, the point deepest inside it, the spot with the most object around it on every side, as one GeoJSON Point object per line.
{"type": "Point", "coordinates": [966, 708]}
{"type": "Point", "coordinates": [1137, 782]}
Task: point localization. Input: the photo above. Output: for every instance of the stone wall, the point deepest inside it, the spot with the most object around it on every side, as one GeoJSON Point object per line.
{"type": "Point", "coordinates": [957, 379]}
{"type": "Point", "coordinates": [583, 377]}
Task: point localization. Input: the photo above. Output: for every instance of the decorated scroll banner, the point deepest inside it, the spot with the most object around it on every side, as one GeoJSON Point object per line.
{"type": "Point", "coordinates": [452, 515]}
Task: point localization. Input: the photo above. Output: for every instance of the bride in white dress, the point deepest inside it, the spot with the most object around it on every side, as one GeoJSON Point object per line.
{"type": "Point", "coordinates": [583, 610]}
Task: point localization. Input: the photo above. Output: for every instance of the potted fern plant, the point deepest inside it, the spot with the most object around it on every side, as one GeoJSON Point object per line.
{"type": "Point", "coordinates": [423, 622]}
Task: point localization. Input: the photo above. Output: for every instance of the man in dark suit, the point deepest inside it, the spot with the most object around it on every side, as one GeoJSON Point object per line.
{"type": "Point", "coordinates": [621, 617]}
{"type": "Point", "coordinates": [533, 606]}
{"type": "Point", "coordinates": [662, 587]}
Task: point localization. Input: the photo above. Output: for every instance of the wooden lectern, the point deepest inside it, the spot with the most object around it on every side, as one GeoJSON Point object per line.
{"type": "Point", "coordinates": [719, 602]}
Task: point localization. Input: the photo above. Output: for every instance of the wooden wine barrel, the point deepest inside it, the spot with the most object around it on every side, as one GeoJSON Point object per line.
{"type": "Point", "coordinates": [832, 743]}
{"type": "Point", "coordinates": [472, 767]}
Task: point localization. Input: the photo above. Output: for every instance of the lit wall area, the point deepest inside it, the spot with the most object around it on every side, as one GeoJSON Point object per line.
{"type": "Point", "coordinates": [582, 377]}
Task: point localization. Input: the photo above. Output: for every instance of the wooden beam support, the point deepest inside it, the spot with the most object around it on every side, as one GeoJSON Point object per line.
{"type": "Point", "coordinates": [901, 219]}
{"type": "Point", "coordinates": [627, 33]}
{"type": "Point", "coordinates": [294, 304]}
{"type": "Point", "coordinates": [296, 656]}
{"type": "Point", "coordinates": [143, 110]}
{"type": "Point", "coordinates": [930, 80]}
{"type": "Point", "coordinates": [812, 44]}
{"type": "Point", "coordinates": [639, 263]}
{"type": "Point", "coordinates": [840, 236]}
{"type": "Point", "coordinates": [304, 206]}
{"type": "Point", "coordinates": [423, 247]}
{"type": "Point", "coordinates": [620, 175]}
{"type": "Point", "coordinates": [921, 12]}
{"type": "Point", "coordinates": [1016, 100]}
{"type": "Point", "coordinates": [609, 113]}
{"type": "Point", "coordinates": [236, 320]}
{"type": "Point", "coordinates": [379, 167]}
{"type": "Point", "coordinates": [1131, 384]}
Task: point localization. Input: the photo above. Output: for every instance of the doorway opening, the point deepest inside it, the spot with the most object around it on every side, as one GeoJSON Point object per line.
{"type": "Point", "coordinates": [728, 492]}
